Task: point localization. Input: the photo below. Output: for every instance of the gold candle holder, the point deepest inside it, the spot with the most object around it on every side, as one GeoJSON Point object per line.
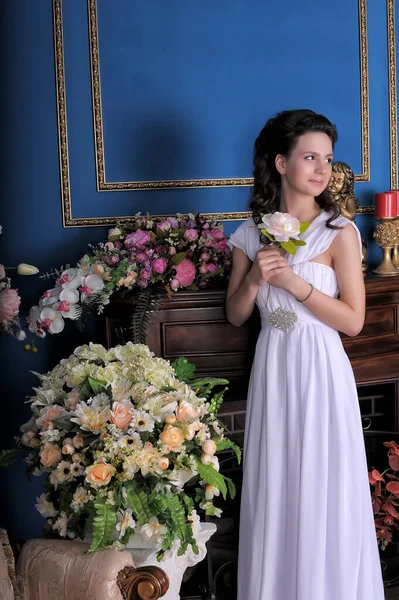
{"type": "Point", "coordinates": [395, 253]}
{"type": "Point", "coordinates": [385, 235]}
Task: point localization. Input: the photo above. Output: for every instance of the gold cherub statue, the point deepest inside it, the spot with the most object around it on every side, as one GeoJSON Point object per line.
{"type": "Point", "coordinates": [342, 187]}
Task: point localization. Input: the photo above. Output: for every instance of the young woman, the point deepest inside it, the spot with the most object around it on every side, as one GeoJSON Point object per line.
{"type": "Point", "coordinates": [307, 529]}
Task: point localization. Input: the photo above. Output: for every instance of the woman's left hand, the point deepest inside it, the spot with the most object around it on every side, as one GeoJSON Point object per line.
{"type": "Point", "coordinates": [284, 279]}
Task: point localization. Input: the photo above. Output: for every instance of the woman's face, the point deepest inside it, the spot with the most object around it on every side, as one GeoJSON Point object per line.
{"type": "Point", "coordinates": [307, 170]}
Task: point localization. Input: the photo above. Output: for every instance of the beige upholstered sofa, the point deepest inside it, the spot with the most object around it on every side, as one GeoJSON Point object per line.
{"type": "Point", "coordinates": [49, 569]}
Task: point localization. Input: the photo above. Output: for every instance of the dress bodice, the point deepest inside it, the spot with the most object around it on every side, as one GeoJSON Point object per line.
{"type": "Point", "coordinates": [318, 239]}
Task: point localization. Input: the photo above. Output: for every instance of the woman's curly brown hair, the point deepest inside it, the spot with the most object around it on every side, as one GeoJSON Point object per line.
{"type": "Point", "coordinates": [279, 136]}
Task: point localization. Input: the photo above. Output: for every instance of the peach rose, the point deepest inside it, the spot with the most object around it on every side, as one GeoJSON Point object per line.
{"type": "Point", "coordinates": [173, 437]}
{"type": "Point", "coordinates": [76, 457]}
{"type": "Point", "coordinates": [77, 441]}
{"type": "Point", "coordinates": [50, 455]}
{"type": "Point", "coordinates": [192, 429]}
{"type": "Point", "coordinates": [99, 474]}
{"type": "Point", "coordinates": [163, 463]}
{"type": "Point", "coordinates": [170, 419]}
{"type": "Point", "coordinates": [68, 449]}
{"type": "Point", "coordinates": [209, 447]}
{"type": "Point", "coordinates": [72, 398]}
{"type": "Point", "coordinates": [121, 414]}
{"type": "Point", "coordinates": [49, 414]}
{"type": "Point", "coordinates": [186, 411]}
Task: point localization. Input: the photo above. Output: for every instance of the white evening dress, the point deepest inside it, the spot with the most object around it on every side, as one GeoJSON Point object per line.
{"type": "Point", "coordinates": [306, 527]}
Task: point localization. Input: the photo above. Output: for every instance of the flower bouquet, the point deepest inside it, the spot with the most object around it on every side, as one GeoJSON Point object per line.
{"type": "Point", "coordinates": [122, 436]}
{"type": "Point", "coordinates": [282, 230]}
{"type": "Point", "coordinates": [151, 257]}
{"type": "Point", "coordinates": [385, 497]}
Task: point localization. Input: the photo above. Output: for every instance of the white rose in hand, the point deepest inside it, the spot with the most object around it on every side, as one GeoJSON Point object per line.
{"type": "Point", "coordinates": [282, 226]}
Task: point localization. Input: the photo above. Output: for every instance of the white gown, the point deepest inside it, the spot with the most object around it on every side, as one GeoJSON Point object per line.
{"type": "Point", "coordinates": [306, 527]}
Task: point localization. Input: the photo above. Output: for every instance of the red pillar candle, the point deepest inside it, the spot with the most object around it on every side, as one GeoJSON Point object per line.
{"type": "Point", "coordinates": [385, 205]}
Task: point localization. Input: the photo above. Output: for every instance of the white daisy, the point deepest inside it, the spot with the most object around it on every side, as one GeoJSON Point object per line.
{"type": "Point", "coordinates": [143, 421]}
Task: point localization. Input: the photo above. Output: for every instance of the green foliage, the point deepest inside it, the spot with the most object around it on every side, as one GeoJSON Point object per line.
{"type": "Point", "coordinates": [184, 369]}
{"type": "Point", "coordinates": [93, 386]}
{"type": "Point", "coordinates": [86, 308]}
{"type": "Point", "coordinates": [231, 487]}
{"type": "Point", "coordinates": [178, 258]}
{"type": "Point", "coordinates": [216, 402]}
{"type": "Point", "coordinates": [227, 444]}
{"type": "Point", "coordinates": [304, 227]}
{"type": "Point", "coordinates": [138, 501]}
{"type": "Point", "coordinates": [289, 246]}
{"type": "Point", "coordinates": [213, 477]}
{"type": "Point", "coordinates": [146, 307]}
{"type": "Point", "coordinates": [8, 457]}
{"type": "Point", "coordinates": [104, 523]}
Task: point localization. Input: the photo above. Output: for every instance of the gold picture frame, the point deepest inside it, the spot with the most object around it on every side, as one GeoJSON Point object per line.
{"type": "Point", "coordinates": [103, 185]}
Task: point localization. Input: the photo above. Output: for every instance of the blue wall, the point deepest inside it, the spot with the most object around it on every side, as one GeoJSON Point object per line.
{"type": "Point", "coordinates": [186, 86]}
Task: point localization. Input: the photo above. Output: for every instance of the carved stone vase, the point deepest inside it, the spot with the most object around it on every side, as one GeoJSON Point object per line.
{"type": "Point", "coordinates": [144, 554]}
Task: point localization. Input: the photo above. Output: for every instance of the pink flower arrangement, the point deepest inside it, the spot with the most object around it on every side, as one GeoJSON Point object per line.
{"type": "Point", "coordinates": [182, 252]}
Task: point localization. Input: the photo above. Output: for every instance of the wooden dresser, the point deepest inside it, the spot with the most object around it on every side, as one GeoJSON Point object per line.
{"type": "Point", "coordinates": [193, 324]}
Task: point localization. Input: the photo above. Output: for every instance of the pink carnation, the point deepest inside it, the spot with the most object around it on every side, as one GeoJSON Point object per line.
{"type": "Point", "coordinates": [159, 265]}
{"type": "Point", "coordinates": [185, 272]}
{"type": "Point", "coordinates": [139, 238]}
{"type": "Point", "coordinates": [191, 234]}
{"type": "Point", "coordinates": [9, 305]}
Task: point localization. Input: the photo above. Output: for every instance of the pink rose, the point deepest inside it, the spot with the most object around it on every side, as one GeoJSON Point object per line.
{"type": "Point", "coordinates": [121, 414]}
{"type": "Point", "coordinates": [282, 226]}
{"type": "Point", "coordinates": [51, 455]}
{"type": "Point", "coordinates": [217, 234]}
{"type": "Point", "coordinates": [203, 269]}
{"type": "Point", "coordinates": [205, 257]}
{"type": "Point", "coordinates": [139, 238]}
{"type": "Point", "coordinates": [175, 284]}
{"type": "Point", "coordinates": [191, 234]}
{"type": "Point", "coordinates": [185, 272]}
{"type": "Point", "coordinates": [172, 250]}
{"type": "Point", "coordinates": [9, 305]}
{"type": "Point", "coordinates": [159, 265]}
{"type": "Point", "coordinates": [212, 268]}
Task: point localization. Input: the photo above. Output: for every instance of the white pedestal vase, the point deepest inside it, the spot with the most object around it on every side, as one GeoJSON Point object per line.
{"type": "Point", "coordinates": [144, 553]}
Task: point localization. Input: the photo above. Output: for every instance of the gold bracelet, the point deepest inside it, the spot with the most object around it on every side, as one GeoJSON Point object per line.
{"type": "Point", "coordinates": [310, 293]}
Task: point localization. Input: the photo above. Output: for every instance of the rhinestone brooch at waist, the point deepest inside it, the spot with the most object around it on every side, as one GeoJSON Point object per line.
{"type": "Point", "coordinates": [283, 319]}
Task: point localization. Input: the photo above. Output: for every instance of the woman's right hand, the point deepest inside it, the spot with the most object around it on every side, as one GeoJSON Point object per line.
{"type": "Point", "coordinates": [268, 262]}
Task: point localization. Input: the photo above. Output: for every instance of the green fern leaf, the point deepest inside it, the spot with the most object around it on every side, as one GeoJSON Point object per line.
{"type": "Point", "coordinates": [137, 499]}
{"type": "Point", "coordinates": [8, 457]}
{"type": "Point", "coordinates": [104, 523]}
{"type": "Point", "coordinates": [147, 305]}
{"type": "Point", "coordinates": [213, 477]}
{"type": "Point", "coordinates": [232, 487]}
{"type": "Point", "coordinates": [227, 444]}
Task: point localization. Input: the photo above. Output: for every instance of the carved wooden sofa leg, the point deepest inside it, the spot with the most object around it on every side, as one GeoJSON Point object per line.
{"type": "Point", "coordinates": [144, 583]}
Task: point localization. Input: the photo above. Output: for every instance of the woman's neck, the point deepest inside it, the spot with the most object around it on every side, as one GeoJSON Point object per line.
{"type": "Point", "coordinates": [304, 209]}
